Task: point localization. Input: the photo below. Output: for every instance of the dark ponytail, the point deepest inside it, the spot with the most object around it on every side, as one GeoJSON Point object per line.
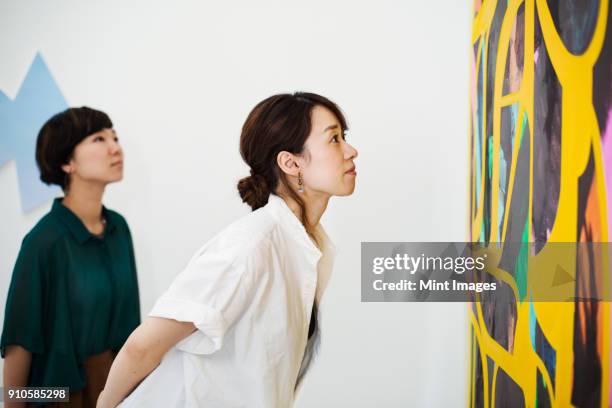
{"type": "Point", "coordinates": [254, 191]}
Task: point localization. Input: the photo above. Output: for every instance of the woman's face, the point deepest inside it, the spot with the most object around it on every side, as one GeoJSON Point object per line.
{"type": "Point", "coordinates": [327, 165]}
{"type": "Point", "coordinates": [98, 158]}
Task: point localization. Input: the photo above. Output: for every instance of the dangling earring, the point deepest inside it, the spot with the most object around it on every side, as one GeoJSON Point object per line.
{"type": "Point", "coordinates": [300, 183]}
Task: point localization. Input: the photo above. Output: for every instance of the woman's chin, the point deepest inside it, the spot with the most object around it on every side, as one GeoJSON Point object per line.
{"type": "Point", "coordinates": [114, 179]}
{"type": "Point", "coordinates": [347, 191]}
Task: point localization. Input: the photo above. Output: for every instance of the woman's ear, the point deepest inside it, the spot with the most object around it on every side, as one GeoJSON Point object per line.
{"type": "Point", "coordinates": [287, 163]}
{"type": "Point", "coordinates": [67, 168]}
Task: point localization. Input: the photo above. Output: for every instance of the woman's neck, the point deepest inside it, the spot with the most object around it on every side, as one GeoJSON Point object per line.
{"type": "Point", "coordinates": [315, 206]}
{"type": "Point", "coordinates": [85, 200]}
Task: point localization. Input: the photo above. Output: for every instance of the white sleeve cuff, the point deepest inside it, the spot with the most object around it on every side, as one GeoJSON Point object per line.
{"type": "Point", "coordinates": [209, 322]}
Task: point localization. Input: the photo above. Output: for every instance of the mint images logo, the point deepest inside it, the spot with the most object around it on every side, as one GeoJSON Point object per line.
{"type": "Point", "coordinates": [37, 100]}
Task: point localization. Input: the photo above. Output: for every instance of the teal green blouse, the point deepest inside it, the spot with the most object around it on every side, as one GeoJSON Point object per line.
{"type": "Point", "coordinates": [72, 295]}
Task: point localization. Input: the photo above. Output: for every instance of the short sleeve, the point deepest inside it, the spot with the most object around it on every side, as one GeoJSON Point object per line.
{"type": "Point", "coordinates": [23, 317]}
{"type": "Point", "coordinates": [212, 292]}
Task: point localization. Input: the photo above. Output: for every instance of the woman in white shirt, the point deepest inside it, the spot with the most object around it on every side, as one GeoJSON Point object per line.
{"type": "Point", "coordinates": [237, 327]}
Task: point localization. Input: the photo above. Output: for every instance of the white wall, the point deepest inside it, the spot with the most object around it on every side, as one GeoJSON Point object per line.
{"type": "Point", "coordinates": [179, 81]}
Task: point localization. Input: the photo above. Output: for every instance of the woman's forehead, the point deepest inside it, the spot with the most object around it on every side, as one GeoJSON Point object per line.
{"type": "Point", "coordinates": [323, 120]}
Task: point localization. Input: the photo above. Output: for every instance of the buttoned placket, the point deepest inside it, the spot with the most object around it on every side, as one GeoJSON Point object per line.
{"type": "Point", "coordinates": [311, 256]}
{"type": "Point", "coordinates": [85, 237]}
{"type": "Point", "coordinates": [106, 260]}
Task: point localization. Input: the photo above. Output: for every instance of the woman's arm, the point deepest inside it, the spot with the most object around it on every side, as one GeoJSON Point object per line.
{"type": "Point", "coordinates": [140, 354]}
{"type": "Point", "coordinates": [16, 370]}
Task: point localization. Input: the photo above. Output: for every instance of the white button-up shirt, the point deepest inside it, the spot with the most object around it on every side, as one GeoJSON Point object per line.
{"type": "Point", "coordinates": [249, 291]}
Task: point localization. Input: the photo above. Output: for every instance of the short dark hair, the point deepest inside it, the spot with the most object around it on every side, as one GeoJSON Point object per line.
{"type": "Point", "coordinates": [58, 137]}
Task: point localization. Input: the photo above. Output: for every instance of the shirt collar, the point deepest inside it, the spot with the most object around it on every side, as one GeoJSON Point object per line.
{"type": "Point", "coordinates": [279, 208]}
{"type": "Point", "coordinates": [74, 223]}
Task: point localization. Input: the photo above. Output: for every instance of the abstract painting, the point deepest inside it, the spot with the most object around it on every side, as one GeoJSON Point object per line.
{"type": "Point", "coordinates": [541, 173]}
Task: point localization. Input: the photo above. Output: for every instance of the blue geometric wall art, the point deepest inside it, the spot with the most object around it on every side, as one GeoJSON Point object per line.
{"type": "Point", "coordinates": [37, 100]}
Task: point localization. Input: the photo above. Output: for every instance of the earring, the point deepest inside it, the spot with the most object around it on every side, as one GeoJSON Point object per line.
{"type": "Point", "coordinates": [300, 183]}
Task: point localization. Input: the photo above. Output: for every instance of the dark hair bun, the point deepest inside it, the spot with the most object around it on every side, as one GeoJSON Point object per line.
{"type": "Point", "coordinates": [254, 191]}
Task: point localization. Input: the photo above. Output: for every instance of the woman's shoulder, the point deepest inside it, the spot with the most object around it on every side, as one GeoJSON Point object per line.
{"type": "Point", "coordinates": [115, 218]}
{"type": "Point", "coordinates": [244, 236]}
{"type": "Point", "coordinates": [253, 226]}
{"type": "Point", "coordinates": [45, 233]}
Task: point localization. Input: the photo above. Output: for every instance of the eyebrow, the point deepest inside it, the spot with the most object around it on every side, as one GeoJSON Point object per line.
{"type": "Point", "coordinates": [330, 127]}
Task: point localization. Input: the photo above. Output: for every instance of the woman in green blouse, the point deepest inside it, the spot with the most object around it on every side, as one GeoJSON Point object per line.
{"type": "Point", "coordinates": [73, 298]}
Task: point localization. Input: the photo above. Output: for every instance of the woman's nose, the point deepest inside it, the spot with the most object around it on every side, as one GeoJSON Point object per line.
{"type": "Point", "coordinates": [114, 147]}
{"type": "Point", "coordinates": [351, 152]}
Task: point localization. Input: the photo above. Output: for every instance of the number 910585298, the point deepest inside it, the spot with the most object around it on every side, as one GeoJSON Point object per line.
{"type": "Point", "coordinates": [37, 394]}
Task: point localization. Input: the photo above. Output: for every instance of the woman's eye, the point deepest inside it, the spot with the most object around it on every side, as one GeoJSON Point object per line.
{"type": "Point", "coordinates": [335, 139]}
{"type": "Point", "coordinates": [98, 139]}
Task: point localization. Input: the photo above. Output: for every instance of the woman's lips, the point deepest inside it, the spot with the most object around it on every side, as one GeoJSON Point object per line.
{"type": "Point", "coordinates": [352, 172]}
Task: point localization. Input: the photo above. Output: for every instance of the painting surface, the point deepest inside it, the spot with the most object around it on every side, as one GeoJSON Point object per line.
{"type": "Point", "coordinates": [541, 173]}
